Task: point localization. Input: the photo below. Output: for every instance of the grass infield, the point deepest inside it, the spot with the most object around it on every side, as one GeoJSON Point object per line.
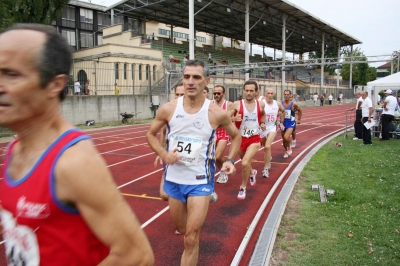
{"type": "Point", "coordinates": [360, 224]}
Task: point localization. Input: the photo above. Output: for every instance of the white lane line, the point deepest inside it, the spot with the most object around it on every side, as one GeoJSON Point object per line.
{"type": "Point", "coordinates": [240, 251]}
{"type": "Point", "coordinates": [154, 217]}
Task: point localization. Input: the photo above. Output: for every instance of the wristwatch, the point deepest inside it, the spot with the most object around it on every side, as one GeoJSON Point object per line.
{"type": "Point", "coordinates": [230, 160]}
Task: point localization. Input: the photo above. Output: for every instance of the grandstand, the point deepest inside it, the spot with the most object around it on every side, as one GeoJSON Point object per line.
{"type": "Point", "coordinates": [120, 53]}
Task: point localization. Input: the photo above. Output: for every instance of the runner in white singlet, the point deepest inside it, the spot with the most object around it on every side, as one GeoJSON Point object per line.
{"type": "Point", "coordinates": [272, 108]}
{"type": "Point", "coordinates": [190, 155]}
{"type": "Point", "coordinates": [249, 115]}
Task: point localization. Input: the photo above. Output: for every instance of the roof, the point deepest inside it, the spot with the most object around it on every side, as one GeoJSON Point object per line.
{"type": "Point", "coordinates": [304, 30]}
{"type": "Point", "coordinates": [386, 65]}
{"type": "Point", "coordinates": [388, 81]}
{"type": "Point", "coordinates": [87, 5]}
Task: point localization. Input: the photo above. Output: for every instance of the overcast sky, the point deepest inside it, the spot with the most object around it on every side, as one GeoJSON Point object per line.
{"type": "Point", "coordinates": [374, 22]}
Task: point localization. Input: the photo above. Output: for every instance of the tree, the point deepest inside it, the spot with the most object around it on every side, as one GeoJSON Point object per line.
{"type": "Point", "coordinates": [329, 52]}
{"type": "Point", "coordinates": [361, 73]}
{"type": "Point", "coordinates": [29, 11]}
{"type": "Point", "coordinates": [371, 73]}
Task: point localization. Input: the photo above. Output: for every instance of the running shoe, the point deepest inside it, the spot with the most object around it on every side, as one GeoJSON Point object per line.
{"type": "Point", "coordinates": [213, 197]}
{"type": "Point", "coordinates": [223, 178]}
{"type": "Point", "coordinates": [293, 143]}
{"type": "Point", "coordinates": [286, 155]}
{"type": "Point", "coordinates": [289, 152]}
{"type": "Point", "coordinates": [253, 177]}
{"type": "Point", "coordinates": [242, 194]}
{"type": "Point", "coordinates": [265, 173]}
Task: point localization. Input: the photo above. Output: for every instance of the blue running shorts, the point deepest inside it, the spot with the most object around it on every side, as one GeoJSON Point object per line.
{"type": "Point", "coordinates": [182, 192]}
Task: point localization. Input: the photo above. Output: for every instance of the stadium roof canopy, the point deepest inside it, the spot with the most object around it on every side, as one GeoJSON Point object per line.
{"type": "Point", "coordinates": [304, 31]}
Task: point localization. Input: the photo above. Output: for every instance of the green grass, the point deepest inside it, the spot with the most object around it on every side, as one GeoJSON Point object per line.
{"type": "Point", "coordinates": [366, 180]}
{"type": "Point", "coordinates": [5, 132]}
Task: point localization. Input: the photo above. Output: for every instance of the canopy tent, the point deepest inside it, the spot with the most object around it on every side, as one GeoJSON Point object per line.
{"type": "Point", "coordinates": [390, 82]}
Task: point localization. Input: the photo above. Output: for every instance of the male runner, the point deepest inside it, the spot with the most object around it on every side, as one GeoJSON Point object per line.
{"type": "Point", "coordinates": [59, 202]}
{"type": "Point", "coordinates": [249, 116]}
{"type": "Point", "coordinates": [289, 121]}
{"type": "Point", "coordinates": [272, 108]}
{"type": "Point", "coordinates": [179, 91]}
{"type": "Point", "coordinates": [190, 155]}
{"type": "Point", "coordinates": [222, 135]}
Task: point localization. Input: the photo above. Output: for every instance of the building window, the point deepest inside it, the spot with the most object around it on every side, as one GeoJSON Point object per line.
{"type": "Point", "coordinates": [140, 72]}
{"type": "Point", "coordinates": [68, 17]}
{"type": "Point", "coordinates": [154, 72]}
{"type": "Point", "coordinates": [116, 71]}
{"type": "Point", "coordinates": [70, 36]}
{"type": "Point", "coordinates": [86, 39]}
{"type": "Point", "coordinates": [86, 19]}
{"type": "Point", "coordinates": [147, 72]}
{"type": "Point", "coordinates": [103, 20]}
{"type": "Point", "coordinates": [99, 39]}
{"type": "Point", "coordinates": [125, 70]}
{"type": "Point", "coordinates": [133, 71]}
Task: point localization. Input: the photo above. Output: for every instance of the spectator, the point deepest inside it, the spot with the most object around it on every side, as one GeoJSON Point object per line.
{"type": "Point", "coordinates": [77, 88]}
{"type": "Point", "coordinates": [358, 126]}
{"type": "Point", "coordinates": [389, 106]}
{"type": "Point", "coordinates": [174, 40]}
{"type": "Point", "coordinates": [209, 58]}
{"type": "Point", "coordinates": [367, 111]}
{"type": "Point", "coordinates": [186, 58]}
{"type": "Point", "coordinates": [116, 89]}
{"type": "Point", "coordinates": [322, 100]}
{"type": "Point", "coordinates": [340, 99]}
{"type": "Point", "coordinates": [171, 57]}
{"type": "Point", "coordinates": [152, 36]}
{"type": "Point", "coordinates": [315, 98]}
{"type": "Point", "coordinates": [87, 87]}
{"type": "Point", "coordinates": [330, 98]}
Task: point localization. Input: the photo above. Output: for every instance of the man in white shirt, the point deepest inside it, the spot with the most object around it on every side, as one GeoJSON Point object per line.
{"type": "Point", "coordinates": [330, 98]}
{"type": "Point", "coordinates": [389, 106]}
{"type": "Point", "coordinates": [315, 99]}
{"type": "Point", "coordinates": [77, 88]}
{"type": "Point", "coordinates": [367, 111]}
{"type": "Point", "coordinates": [357, 123]}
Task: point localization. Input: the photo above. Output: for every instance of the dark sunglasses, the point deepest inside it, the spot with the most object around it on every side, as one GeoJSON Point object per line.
{"type": "Point", "coordinates": [217, 93]}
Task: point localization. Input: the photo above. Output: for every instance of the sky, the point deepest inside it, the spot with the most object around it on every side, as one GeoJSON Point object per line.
{"type": "Point", "coordinates": [374, 22]}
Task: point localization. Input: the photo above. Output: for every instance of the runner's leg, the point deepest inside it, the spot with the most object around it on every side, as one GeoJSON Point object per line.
{"type": "Point", "coordinates": [197, 208]}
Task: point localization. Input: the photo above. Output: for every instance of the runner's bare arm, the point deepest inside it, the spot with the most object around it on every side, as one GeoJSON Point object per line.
{"type": "Point", "coordinates": [298, 111]}
{"type": "Point", "coordinates": [262, 109]}
{"type": "Point", "coordinates": [163, 143]}
{"type": "Point", "coordinates": [234, 111]}
{"type": "Point", "coordinates": [282, 115]}
{"type": "Point", "coordinates": [163, 116]}
{"type": "Point", "coordinates": [82, 179]}
{"type": "Point", "coordinates": [219, 118]}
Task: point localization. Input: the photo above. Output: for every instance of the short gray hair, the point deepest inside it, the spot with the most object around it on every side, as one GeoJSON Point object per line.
{"type": "Point", "coordinates": [197, 62]}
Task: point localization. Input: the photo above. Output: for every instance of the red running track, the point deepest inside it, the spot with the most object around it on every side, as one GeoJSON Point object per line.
{"type": "Point", "coordinates": [130, 160]}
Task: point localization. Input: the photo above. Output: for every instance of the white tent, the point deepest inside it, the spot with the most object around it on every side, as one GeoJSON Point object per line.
{"type": "Point", "coordinates": [390, 82]}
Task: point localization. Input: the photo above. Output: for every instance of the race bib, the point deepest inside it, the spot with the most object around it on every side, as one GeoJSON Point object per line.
{"type": "Point", "coordinates": [188, 149]}
{"type": "Point", "coordinates": [247, 132]}
{"type": "Point", "coordinates": [21, 243]}
{"type": "Point", "coordinates": [270, 118]}
{"type": "Point", "coordinates": [288, 114]}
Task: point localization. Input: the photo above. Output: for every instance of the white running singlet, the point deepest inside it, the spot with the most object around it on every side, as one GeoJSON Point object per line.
{"type": "Point", "coordinates": [194, 138]}
{"type": "Point", "coordinates": [250, 125]}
